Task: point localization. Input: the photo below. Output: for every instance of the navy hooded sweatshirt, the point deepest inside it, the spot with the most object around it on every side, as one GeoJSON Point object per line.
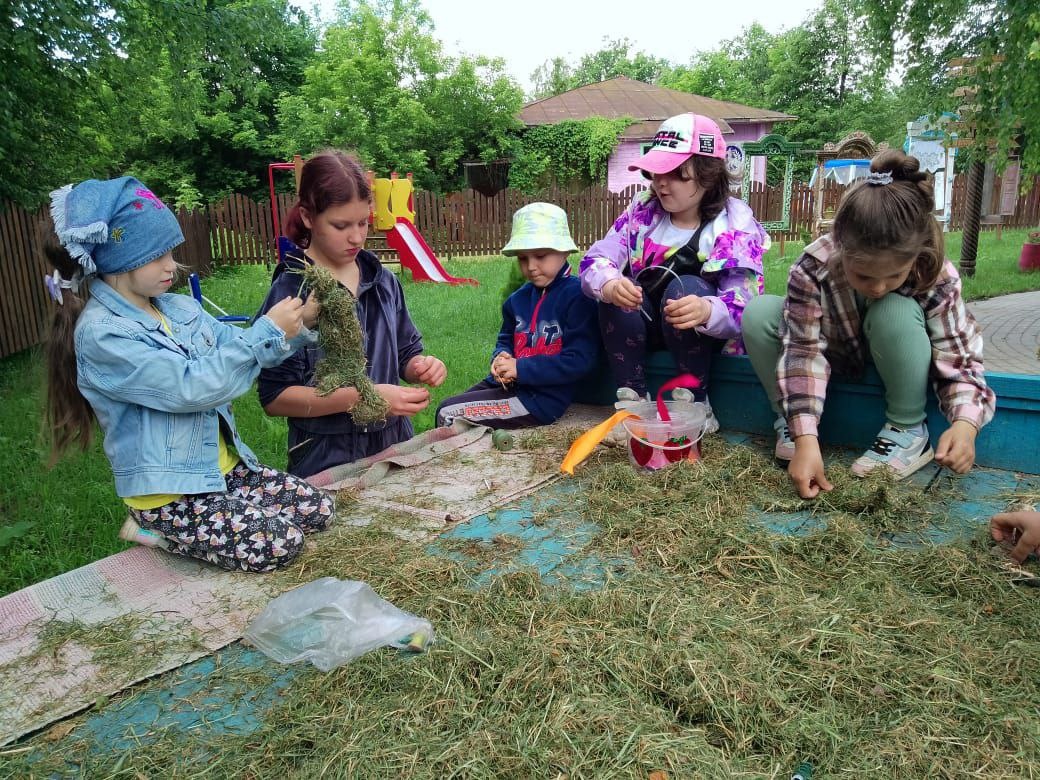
{"type": "Point", "coordinates": [391, 340]}
{"type": "Point", "coordinates": [554, 335]}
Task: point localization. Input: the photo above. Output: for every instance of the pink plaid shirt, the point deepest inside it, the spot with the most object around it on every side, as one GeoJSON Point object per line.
{"type": "Point", "coordinates": [822, 328]}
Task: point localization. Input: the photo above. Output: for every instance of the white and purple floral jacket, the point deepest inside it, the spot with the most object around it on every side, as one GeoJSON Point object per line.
{"type": "Point", "coordinates": [733, 245]}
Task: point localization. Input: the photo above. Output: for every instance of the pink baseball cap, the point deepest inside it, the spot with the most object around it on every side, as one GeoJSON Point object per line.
{"type": "Point", "coordinates": [677, 140]}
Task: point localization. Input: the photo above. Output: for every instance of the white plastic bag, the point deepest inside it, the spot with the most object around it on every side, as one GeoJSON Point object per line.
{"type": "Point", "coordinates": [330, 622]}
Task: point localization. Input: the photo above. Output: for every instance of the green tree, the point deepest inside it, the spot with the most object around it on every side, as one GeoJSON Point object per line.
{"type": "Point", "coordinates": [200, 122]}
{"type": "Point", "coordinates": [614, 59]}
{"type": "Point", "coordinates": [48, 54]}
{"type": "Point", "coordinates": [738, 70]}
{"type": "Point", "coordinates": [617, 59]}
{"type": "Point", "coordinates": [824, 71]}
{"type": "Point", "coordinates": [1002, 37]}
{"type": "Point", "coordinates": [552, 77]}
{"type": "Point", "coordinates": [381, 86]}
{"type": "Point", "coordinates": [181, 93]}
{"type": "Point", "coordinates": [473, 105]}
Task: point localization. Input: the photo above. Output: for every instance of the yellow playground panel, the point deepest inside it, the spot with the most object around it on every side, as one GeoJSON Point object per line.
{"type": "Point", "coordinates": [393, 199]}
{"type": "Point", "coordinates": [393, 213]}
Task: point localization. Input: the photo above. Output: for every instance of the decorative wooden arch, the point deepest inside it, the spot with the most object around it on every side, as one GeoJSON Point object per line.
{"type": "Point", "coordinates": [854, 146]}
{"type": "Point", "coordinates": [772, 145]}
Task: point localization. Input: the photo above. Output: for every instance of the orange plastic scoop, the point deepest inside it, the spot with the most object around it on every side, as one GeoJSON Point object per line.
{"type": "Point", "coordinates": [586, 443]}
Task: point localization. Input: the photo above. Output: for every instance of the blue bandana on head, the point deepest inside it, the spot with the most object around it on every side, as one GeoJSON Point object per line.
{"type": "Point", "coordinates": [113, 226]}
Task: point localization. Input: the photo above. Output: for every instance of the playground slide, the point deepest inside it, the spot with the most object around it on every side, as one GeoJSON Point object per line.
{"type": "Point", "coordinates": [417, 256]}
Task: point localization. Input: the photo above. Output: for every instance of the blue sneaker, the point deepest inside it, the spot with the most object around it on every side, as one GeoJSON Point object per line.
{"type": "Point", "coordinates": [900, 451]}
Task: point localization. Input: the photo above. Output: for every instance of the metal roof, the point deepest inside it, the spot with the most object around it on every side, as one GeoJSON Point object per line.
{"type": "Point", "coordinates": [648, 104]}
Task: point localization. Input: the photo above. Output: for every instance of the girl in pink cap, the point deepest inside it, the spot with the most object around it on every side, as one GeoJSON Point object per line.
{"type": "Point", "coordinates": [678, 267]}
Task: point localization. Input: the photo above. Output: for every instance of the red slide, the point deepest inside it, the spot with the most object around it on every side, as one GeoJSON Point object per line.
{"type": "Point", "coordinates": [417, 256]}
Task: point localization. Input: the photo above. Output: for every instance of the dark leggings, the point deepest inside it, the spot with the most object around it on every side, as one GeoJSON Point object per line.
{"type": "Point", "coordinates": [257, 525]}
{"type": "Point", "coordinates": [628, 336]}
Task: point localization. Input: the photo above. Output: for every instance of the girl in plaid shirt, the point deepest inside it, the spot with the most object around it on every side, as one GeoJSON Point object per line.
{"type": "Point", "coordinates": [878, 287]}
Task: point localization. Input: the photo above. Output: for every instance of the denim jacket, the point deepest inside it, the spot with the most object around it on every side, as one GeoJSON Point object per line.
{"type": "Point", "coordinates": [161, 399]}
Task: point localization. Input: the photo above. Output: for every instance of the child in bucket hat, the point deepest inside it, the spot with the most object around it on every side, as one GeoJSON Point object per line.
{"type": "Point", "coordinates": [549, 339]}
{"type": "Point", "coordinates": [158, 374]}
{"type": "Point", "coordinates": [540, 226]}
{"type": "Point", "coordinates": [679, 265]}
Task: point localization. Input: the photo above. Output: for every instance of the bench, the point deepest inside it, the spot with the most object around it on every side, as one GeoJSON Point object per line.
{"type": "Point", "coordinates": [855, 411]}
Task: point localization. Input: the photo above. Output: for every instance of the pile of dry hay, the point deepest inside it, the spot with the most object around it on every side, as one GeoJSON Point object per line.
{"type": "Point", "coordinates": [722, 651]}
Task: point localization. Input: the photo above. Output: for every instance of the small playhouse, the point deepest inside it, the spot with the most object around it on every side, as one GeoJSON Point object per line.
{"type": "Point", "coordinates": [844, 162]}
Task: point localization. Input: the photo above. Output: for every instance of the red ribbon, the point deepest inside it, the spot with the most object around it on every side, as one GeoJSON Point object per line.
{"type": "Point", "coordinates": [688, 381]}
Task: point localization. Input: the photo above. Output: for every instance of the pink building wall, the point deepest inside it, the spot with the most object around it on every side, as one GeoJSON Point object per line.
{"type": "Point", "coordinates": [619, 177]}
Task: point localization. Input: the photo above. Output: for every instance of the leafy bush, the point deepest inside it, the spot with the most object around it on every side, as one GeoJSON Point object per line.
{"type": "Point", "coordinates": [569, 152]}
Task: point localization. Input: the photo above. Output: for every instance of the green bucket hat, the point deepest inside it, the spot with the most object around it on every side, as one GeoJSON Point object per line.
{"type": "Point", "coordinates": [540, 226]}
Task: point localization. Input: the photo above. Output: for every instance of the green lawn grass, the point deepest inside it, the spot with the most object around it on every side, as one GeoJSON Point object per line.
{"type": "Point", "coordinates": [54, 520]}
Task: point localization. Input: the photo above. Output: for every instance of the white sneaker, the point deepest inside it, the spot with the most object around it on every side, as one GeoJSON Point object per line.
{"type": "Point", "coordinates": [901, 452]}
{"type": "Point", "coordinates": [682, 395]}
{"type": "Point", "coordinates": [784, 450]}
{"type": "Point", "coordinates": [627, 398]}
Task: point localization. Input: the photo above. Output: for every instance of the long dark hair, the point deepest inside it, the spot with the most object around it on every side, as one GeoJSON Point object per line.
{"type": "Point", "coordinates": [68, 416]}
{"type": "Point", "coordinates": [711, 176]}
{"type": "Point", "coordinates": [894, 217]}
{"type": "Point", "coordinates": [329, 178]}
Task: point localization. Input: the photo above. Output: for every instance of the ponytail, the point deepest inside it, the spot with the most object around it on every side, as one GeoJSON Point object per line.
{"type": "Point", "coordinates": [294, 228]}
{"type": "Point", "coordinates": [894, 214]}
{"type": "Point", "coordinates": [68, 416]}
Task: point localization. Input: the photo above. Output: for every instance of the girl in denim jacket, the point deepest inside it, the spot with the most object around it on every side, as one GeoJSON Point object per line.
{"type": "Point", "coordinates": [159, 374]}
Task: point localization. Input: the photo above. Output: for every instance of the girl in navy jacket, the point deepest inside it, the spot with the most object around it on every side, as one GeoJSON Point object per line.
{"type": "Point", "coordinates": [330, 224]}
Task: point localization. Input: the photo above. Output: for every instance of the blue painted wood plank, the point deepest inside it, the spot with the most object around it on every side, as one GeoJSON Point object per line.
{"type": "Point", "coordinates": [855, 411]}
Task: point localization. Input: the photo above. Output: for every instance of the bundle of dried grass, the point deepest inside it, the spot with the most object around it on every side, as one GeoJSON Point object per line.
{"type": "Point", "coordinates": [340, 336]}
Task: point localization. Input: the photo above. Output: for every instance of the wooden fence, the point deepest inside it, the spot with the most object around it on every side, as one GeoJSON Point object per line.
{"type": "Point", "coordinates": [468, 223]}
{"type": "Point", "coordinates": [239, 231]}
{"type": "Point", "coordinates": [234, 231]}
{"type": "Point", "coordinates": [24, 305]}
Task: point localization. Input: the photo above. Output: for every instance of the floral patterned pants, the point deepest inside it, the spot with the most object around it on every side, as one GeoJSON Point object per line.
{"type": "Point", "coordinates": [257, 525]}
